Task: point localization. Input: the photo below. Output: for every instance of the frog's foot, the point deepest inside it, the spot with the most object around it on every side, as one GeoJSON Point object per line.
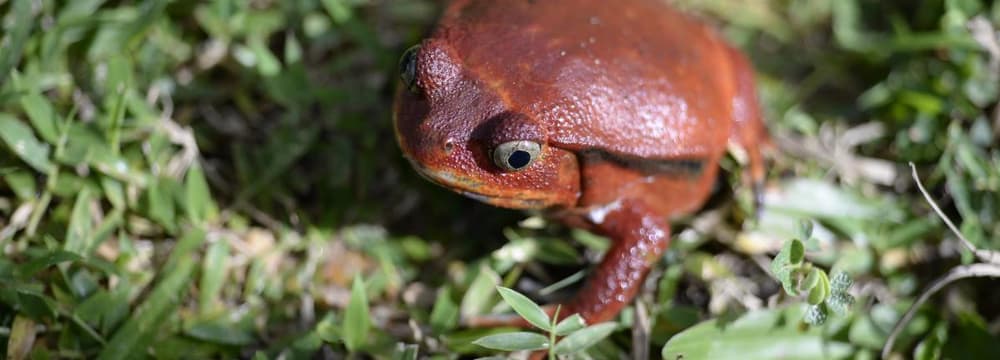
{"type": "Point", "coordinates": [749, 131]}
{"type": "Point", "coordinates": [758, 198]}
{"type": "Point", "coordinates": [640, 238]}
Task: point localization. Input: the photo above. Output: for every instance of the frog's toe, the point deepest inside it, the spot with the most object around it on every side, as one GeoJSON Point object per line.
{"type": "Point", "coordinates": [758, 198]}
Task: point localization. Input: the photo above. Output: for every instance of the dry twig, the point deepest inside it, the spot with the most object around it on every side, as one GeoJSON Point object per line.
{"type": "Point", "coordinates": [989, 267]}
{"type": "Point", "coordinates": [986, 256]}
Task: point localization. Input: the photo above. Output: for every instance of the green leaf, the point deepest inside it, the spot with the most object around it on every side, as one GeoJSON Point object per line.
{"type": "Point", "coordinates": [406, 352]}
{"type": "Point", "coordinates": [444, 315]}
{"type": "Point", "coordinates": [868, 328]}
{"type": "Point", "coordinates": [840, 303]}
{"type": "Point", "coordinates": [267, 63]}
{"type": "Point", "coordinates": [841, 282]}
{"type": "Point", "coordinates": [43, 117]}
{"type": "Point", "coordinates": [22, 182]}
{"type": "Point", "coordinates": [23, 143]}
{"type": "Point", "coordinates": [514, 341]}
{"type": "Point", "coordinates": [32, 303]}
{"type": "Point", "coordinates": [784, 265]}
{"type": "Point", "coordinates": [796, 251]}
{"type": "Point", "coordinates": [105, 309]}
{"type": "Point", "coordinates": [293, 49]}
{"type": "Point", "coordinates": [969, 337]}
{"type": "Point", "coordinates": [184, 248]}
{"type": "Point", "coordinates": [23, 23]}
{"type": "Point", "coordinates": [327, 330]}
{"type": "Point", "coordinates": [55, 257]}
{"type": "Point", "coordinates": [811, 280]}
{"type": "Point", "coordinates": [160, 203]}
{"type": "Point", "coordinates": [213, 275]}
{"type": "Point", "coordinates": [80, 225]}
{"type": "Point", "coordinates": [930, 348]}
{"type": "Point", "coordinates": [766, 334]}
{"type": "Point", "coordinates": [339, 10]}
{"type": "Point", "coordinates": [816, 315]}
{"type": "Point", "coordinates": [219, 332]}
{"type": "Point", "coordinates": [821, 288]}
{"type": "Point", "coordinates": [806, 229]}
{"type": "Point", "coordinates": [788, 282]}
{"type": "Point", "coordinates": [309, 343]}
{"type": "Point", "coordinates": [139, 331]}
{"type": "Point", "coordinates": [583, 339]}
{"type": "Point", "coordinates": [780, 263]}
{"type": "Point", "coordinates": [478, 297]}
{"type": "Point", "coordinates": [197, 197]}
{"type": "Point", "coordinates": [356, 318]}
{"type": "Point", "coordinates": [114, 192]}
{"type": "Point", "coordinates": [570, 324]}
{"type": "Point", "coordinates": [526, 308]}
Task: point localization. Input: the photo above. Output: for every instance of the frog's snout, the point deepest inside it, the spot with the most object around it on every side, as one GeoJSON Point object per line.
{"type": "Point", "coordinates": [430, 148]}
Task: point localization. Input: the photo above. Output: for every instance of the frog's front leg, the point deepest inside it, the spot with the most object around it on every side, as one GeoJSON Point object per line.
{"type": "Point", "coordinates": [639, 237]}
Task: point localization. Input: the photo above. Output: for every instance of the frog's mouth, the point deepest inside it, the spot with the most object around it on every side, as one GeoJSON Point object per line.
{"type": "Point", "coordinates": [471, 188]}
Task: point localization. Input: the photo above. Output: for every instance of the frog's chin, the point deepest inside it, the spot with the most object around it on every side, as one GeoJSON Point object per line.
{"type": "Point", "coordinates": [470, 188]}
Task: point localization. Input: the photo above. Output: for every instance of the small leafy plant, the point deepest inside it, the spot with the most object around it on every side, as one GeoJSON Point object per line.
{"type": "Point", "coordinates": [798, 277]}
{"type": "Point", "coordinates": [577, 336]}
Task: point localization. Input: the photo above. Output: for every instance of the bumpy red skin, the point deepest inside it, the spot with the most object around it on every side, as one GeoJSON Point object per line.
{"type": "Point", "coordinates": [590, 80]}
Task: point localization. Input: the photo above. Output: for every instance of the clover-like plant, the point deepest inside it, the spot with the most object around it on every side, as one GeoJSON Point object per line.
{"type": "Point", "coordinates": [576, 335]}
{"type": "Point", "coordinates": [799, 277]}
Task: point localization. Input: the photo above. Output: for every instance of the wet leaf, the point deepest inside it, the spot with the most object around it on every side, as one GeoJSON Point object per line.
{"type": "Point", "coordinates": [526, 308]}
{"type": "Point", "coordinates": [514, 341]}
{"type": "Point", "coordinates": [78, 235]}
{"type": "Point", "coordinates": [356, 317]}
{"type": "Point", "coordinates": [22, 142]}
{"type": "Point", "coordinates": [43, 117]}
{"type": "Point", "coordinates": [583, 339]}
{"type": "Point", "coordinates": [145, 323]}
{"type": "Point", "coordinates": [569, 325]}
{"type": "Point", "coordinates": [768, 334]}
{"type": "Point", "coordinates": [219, 332]}
{"type": "Point", "coordinates": [479, 296]}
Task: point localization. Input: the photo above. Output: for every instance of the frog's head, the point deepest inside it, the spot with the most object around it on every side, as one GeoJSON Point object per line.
{"type": "Point", "coordinates": [457, 126]}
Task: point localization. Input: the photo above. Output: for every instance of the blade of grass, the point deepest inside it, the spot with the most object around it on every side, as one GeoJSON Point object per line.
{"type": "Point", "coordinates": [213, 275]}
{"type": "Point", "coordinates": [22, 142]}
{"type": "Point", "coordinates": [23, 22]}
{"type": "Point", "coordinates": [526, 308]}
{"type": "Point", "coordinates": [356, 321]}
{"type": "Point", "coordinates": [140, 330]}
{"type": "Point", "coordinates": [514, 341]}
{"type": "Point", "coordinates": [583, 339]}
{"type": "Point", "coordinates": [80, 225]}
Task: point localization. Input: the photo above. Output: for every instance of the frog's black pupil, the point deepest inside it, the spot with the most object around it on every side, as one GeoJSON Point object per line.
{"type": "Point", "coordinates": [519, 159]}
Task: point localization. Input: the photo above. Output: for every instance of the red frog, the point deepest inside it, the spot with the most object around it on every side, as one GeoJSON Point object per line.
{"type": "Point", "coordinates": [609, 115]}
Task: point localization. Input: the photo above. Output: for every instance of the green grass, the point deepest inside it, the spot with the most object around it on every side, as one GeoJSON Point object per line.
{"type": "Point", "coordinates": [220, 179]}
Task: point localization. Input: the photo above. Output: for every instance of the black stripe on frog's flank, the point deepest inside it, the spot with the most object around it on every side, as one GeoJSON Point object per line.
{"type": "Point", "coordinates": [691, 168]}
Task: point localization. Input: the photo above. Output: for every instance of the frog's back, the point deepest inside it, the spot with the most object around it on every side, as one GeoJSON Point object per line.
{"type": "Point", "coordinates": [633, 79]}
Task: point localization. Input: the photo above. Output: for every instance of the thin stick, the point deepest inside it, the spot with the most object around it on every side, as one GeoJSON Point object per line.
{"type": "Point", "coordinates": [986, 256]}
{"type": "Point", "coordinates": [989, 268]}
{"type": "Point", "coordinates": [640, 331]}
{"type": "Point", "coordinates": [958, 273]}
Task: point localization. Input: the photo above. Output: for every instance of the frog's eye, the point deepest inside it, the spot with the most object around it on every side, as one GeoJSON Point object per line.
{"type": "Point", "coordinates": [408, 69]}
{"type": "Point", "coordinates": [516, 155]}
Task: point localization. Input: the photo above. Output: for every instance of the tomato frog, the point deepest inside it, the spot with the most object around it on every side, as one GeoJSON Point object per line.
{"type": "Point", "coordinates": [610, 116]}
